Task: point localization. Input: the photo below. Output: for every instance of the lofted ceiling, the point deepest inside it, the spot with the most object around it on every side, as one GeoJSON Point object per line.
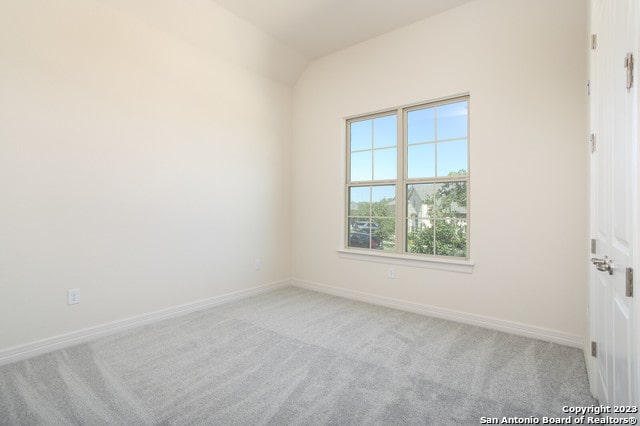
{"type": "Point", "coordinates": [318, 27]}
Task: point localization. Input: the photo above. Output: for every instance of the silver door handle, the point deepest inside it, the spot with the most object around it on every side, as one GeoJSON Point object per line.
{"type": "Point", "coordinates": [603, 265]}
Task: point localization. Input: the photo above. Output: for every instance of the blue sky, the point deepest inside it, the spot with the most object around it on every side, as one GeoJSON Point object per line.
{"type": "Point", "coordinates": [441, 128]}
{"type": "Point", "coordinates": [372, 193]}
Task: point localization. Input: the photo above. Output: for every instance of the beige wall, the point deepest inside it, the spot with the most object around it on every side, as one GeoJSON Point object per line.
{"type": "Point", "coordinates": [146, 158]}
{"type": "Point", "coordinates": [524, 65]}
{"type": "Point", "coordinates": [141, 168]}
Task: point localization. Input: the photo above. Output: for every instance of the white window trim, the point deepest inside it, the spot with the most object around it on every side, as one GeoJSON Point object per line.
{"type": "Point", "coordinates": [444, 263]}
{"type": "Point", "coordinates": [438, 263]}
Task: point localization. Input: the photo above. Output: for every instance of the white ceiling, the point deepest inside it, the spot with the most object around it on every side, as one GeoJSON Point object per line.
{"type": "Point", "coordinates": [318, 27]}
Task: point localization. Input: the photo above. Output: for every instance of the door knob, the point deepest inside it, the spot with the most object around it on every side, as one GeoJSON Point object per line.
{"type": "Point", "coordinates": [604, 265]}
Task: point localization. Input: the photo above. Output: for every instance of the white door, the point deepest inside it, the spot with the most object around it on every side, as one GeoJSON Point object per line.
{"type": "Point", "coordinates": [614, 122]}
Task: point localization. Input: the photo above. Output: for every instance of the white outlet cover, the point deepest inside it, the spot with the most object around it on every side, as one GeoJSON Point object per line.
{"type": "Point", "coordinates": [73, 296]}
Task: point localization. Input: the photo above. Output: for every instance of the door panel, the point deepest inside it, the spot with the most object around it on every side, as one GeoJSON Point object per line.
{"type": "Point", "coordinates": [602, 323]}
{"type": "Point", "coordinates": [622, 346]}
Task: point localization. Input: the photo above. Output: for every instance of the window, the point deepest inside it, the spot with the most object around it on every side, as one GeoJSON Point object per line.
{"type": "Point", "coordinates": [408, 180]}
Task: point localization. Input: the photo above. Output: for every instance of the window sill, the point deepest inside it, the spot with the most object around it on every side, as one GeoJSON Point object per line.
{"type": "Point", "coordinates": [463, 266]}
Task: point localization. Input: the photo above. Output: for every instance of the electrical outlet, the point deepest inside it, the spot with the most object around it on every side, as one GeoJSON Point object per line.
{"type": "Point", "coordinates": [73, 296]}
{"type": "Point", "coordinates": [258, 264]}
{"type": "Point", "coordinates": [391, 273]}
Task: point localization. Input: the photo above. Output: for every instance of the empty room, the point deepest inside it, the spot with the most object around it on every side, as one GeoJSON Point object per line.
{"type": "Point", "coordinates": [239, 212]}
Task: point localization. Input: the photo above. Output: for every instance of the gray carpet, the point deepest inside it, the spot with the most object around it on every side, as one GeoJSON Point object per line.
{"type": "Point", "coordinates": [293, 356]}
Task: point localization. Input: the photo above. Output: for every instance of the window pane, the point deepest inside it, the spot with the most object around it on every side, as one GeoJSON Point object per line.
{"type": "Point", "coordinates": [365, 240]}
{"type": "Point", "coordinates": [359, 201]}
{"type": "Point", "coordinates": [451, 200]}
{"type": "Point", "coordinates": [421, 162]}
{"type": "Point", "coordinates": [384, 131]}
{"type": "Point", "coordinates": [452, 158]}
{"type": "Point", "coordinates": [383, 200]}
{"type": "Point", "coordinates": [365, 233]}
{"type": "Point", "coordinates": [451, 237]}
{"type": "Point", "coordinates": [420, 200]}
{"type": "Point", "coordinates": [452, 121]}
{"type": "Point", "coordinates": [355, 223]}
{"type": "Point", "coordinates": [385, 163]}
{"type": "Point", "coordinates": [420, 125]}
{"type": "Point", "coordinates": [360, 135]}
{"type": "Point", "coordinates": [420, 236]}
{"type": "Point", "coordinates": [371, 217]}
{"type": "Point", "coordinates": [359, 237]}
{"type": "Point", "coordinates": [361, 166]}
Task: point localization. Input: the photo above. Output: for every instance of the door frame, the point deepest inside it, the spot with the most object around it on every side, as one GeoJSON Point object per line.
{"type": "Point", "coordinates": [636, 197]}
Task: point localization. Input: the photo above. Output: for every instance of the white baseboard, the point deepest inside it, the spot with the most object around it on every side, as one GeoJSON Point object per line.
{"type": "Point", "coordinates": [29, 350]}
{"type": "Point", "coordinates": [18, 353]}
{"type": "Point", "coordinates": [511, 327]}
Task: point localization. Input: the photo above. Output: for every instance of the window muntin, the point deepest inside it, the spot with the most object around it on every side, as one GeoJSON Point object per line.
{"type": "Point", "coordinates": [424, 209]}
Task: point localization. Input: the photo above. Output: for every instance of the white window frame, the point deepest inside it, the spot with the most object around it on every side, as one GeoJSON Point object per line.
{"type": "Point", "coordinates": [400, 256]}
